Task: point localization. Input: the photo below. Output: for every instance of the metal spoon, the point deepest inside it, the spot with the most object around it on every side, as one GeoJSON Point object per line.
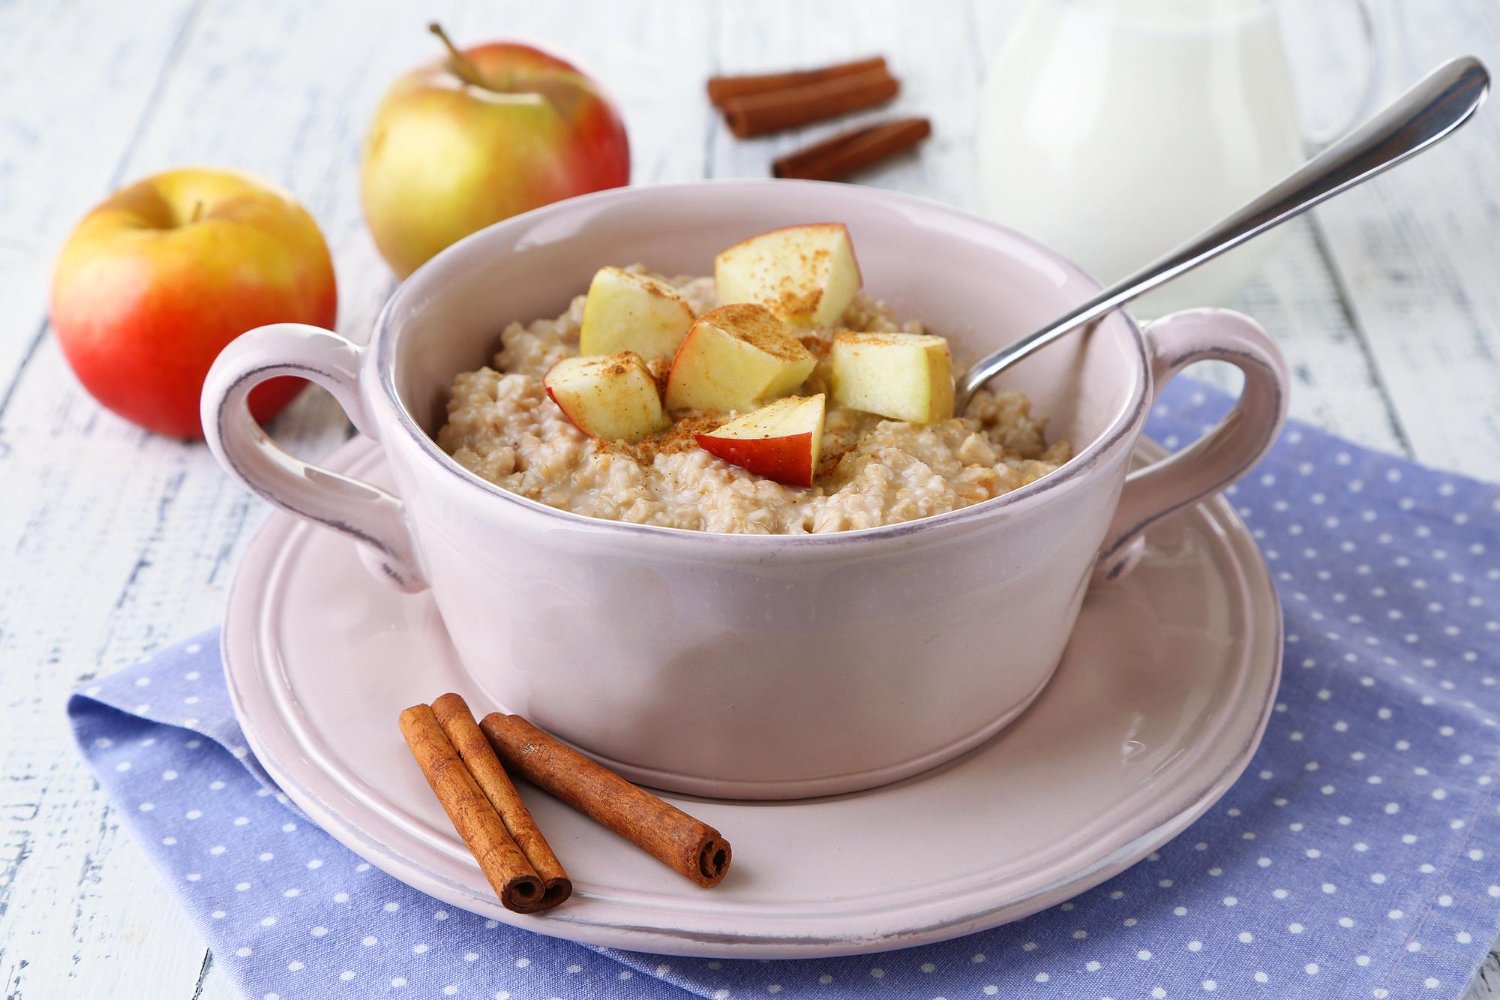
{"type": "Point", "coordinates": [1440, 103]}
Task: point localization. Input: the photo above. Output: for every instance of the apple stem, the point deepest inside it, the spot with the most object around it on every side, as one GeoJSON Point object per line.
{"type": "Point", "coordinates": [461, 64]}
{"type": "Point", "coordinates": [197, 211]}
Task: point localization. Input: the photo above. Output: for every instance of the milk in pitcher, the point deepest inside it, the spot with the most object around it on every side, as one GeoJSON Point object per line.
{"type": "Point", "coordinates": [1114, 130]}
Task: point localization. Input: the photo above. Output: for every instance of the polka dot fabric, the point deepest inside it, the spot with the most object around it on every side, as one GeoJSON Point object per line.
{"type": "Point", "coordinates": [1359, 855]}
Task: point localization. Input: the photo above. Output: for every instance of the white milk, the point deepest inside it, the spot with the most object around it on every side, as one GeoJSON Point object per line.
{"type": "Point", "coordinates": [1113, 130]}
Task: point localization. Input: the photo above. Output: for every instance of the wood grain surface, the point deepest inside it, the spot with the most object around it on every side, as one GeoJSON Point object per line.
{"type": "Point", "coordinates": [114, 542]}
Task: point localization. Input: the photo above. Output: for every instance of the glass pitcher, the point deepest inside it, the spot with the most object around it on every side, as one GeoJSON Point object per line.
{"type": "Point", "coordinates": [1114, 130]}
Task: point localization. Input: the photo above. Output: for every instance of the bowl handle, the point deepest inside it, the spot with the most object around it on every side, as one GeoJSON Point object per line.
{"type": "Point", "coordinates": [367, 513]}
{"type": "Point", "coordinates": [1221, 456]}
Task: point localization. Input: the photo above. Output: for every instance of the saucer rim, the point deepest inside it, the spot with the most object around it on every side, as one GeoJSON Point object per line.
{"type": "Point", "coordinates": [281, 534]}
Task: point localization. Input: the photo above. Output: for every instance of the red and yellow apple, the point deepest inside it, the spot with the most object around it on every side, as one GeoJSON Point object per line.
{"type": "Point", "coordinates": [736, 357]}
{"type": "Point", "coordinates": [612, 397]}
{"type": "Point", "coordinates": [805, 274]}
{"type": "Point", "coordinates": [157, 279]}
{"type": "Point", "coordinates": [782, 441]}
{"type": "Point", "coordinates": [478, 136]}
{"type": "Point", "coordinates": [903, 376]}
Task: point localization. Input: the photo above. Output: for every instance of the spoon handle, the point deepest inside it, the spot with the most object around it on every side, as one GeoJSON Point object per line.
{"type": "Point", "coordinates": [1438, 104]}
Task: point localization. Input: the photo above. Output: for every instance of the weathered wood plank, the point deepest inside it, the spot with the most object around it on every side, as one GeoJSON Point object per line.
{"type": "Point", "coordinates": [77, 83]}
{"type": "Point", "coordinates": [143, 530]}
{"type": "Point", "coordinates": [215, 984]}
{"type": "Point", "coordinates": [1486, 984]}
{"type": "Point", "coordinates": [1334, 385]}
{"type": "Point", "coordinates": [1414, 251]}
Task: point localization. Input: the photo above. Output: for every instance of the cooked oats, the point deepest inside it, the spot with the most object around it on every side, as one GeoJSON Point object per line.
{"type": "Point", "coordinates": [502, 427]}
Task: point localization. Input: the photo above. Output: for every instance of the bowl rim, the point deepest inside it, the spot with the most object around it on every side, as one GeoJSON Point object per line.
{"type": "Point", "coordinates": [384, 338]}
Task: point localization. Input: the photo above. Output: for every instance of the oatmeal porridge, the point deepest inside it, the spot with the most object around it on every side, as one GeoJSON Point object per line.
{"type": "Point", "coordinates": [867, 470]}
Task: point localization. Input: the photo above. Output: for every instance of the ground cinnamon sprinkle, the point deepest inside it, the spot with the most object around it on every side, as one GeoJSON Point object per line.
{"type": "Point", "coordinates": [795, 300]}
{"type": "Point", "coordinates": [862, 337]}
{"type": "Point", "coordinates": [817, 346]}
{"type": "Point", "coordinates": [829, 461]}
{"type": "Point", "coordinates": [755, 325]}
{"type": "Point", "coordinates": [794, 303]}
{"type": "Point", "coordinates": [681, 436]}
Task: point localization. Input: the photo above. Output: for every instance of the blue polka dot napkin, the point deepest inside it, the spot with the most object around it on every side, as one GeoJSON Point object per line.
{"type": "Point", "coordinates": [1359, 856]}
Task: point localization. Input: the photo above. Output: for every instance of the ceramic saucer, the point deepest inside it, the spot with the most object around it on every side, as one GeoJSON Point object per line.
{"type": "Point", "coordinates": [1159, 702]}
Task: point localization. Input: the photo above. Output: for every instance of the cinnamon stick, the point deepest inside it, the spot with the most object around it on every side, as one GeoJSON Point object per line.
{"type": "Point", "coordinates": [453, 714]}
{"type": "Point", "coordinates": [503, 863]}
{"type": "Point", "coordinates": [722, 88]}
{"type": "Point", "coordinates": [849, 152]}
{"type": "Point", "coordinates": [773, 111]}
{"type": "Point", "coordinates": [668, 834]}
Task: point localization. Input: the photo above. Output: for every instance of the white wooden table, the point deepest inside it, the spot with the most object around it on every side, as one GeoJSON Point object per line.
{"type": "Point", "coordinates": [114, 542]}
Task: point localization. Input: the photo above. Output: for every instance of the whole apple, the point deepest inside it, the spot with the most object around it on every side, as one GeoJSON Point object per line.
{"type": "Point", "coordinates": [157, 279]}
{"type": "Point", "coordinates": [479, 136]}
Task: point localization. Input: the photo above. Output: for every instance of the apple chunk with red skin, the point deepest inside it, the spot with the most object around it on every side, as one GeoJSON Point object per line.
{"type": "Point", "coordinates": [902, 376]}
{"type": "Point", "coordinates": [735, 358]}
{"type": "Point", "coordinates": [781, 441]}
{"type": "Point", "coordinates": [626, 311]}
{"type": "Point", "coordinates": [612, 397]}
{"type": "Point", "coordinates": [807, 275]}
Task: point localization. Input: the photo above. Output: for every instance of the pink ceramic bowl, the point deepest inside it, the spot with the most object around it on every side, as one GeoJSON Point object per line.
{"type": "Point", "coordinates": [736, 665]}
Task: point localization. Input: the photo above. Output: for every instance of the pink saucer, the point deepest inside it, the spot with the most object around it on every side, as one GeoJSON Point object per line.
{"type": "Point", "coordinates": [1161, 699]}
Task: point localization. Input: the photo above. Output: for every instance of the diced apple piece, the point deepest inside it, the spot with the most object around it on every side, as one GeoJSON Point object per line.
{"type": "Point", "coordinates": [612, 397]}
{"type": "Point", "coordinates": [781, 441]}
{"type": "Point", "coordinates": [903, 376]}
{"type": "Point", "coordinates": [626, 311]}
{"type": "Point", "coordinates": [736, 357]}
{"type": "Point", "coordinates": [807, 275]}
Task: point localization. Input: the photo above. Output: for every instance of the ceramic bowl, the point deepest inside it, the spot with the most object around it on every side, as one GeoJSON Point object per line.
{"type": "Point", "coordinates": [737, 665]}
